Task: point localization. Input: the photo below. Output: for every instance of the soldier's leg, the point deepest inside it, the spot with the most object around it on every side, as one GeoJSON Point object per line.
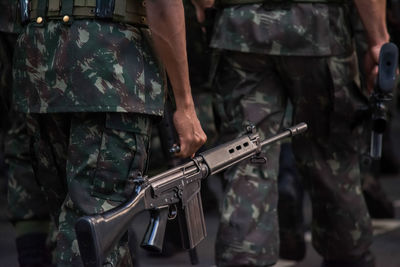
{"type": "Point", "coordinates": [27, 204]}
{"type": "Point", "coordinates": [249, 92]}
{"type": "Point", "coordinates": [27, 208]}
{"type": "Point", "coordinates": [325, 96]}
{"type": "Point", "coordinates": [92, 155]}
{"type": "Point", "coordinates": [105, 153]}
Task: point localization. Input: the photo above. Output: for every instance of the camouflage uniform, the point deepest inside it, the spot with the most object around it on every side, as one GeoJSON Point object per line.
{"type": "Point", "coordinates": [303, 51]}
{"type": "Point", "coordinates": [22, 185]}
{"type": "Point", "coordinates": [8, 32]}
{"type": "Point", "coordinates": [27, 207]}
{"type": "Point", "coordinates": [91, 89]}
{"type": "Point", "coordinates": [5, 70]}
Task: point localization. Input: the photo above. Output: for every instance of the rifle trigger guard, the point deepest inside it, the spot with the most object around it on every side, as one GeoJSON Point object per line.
{"type": "Point", "coordinates": [172, 212]}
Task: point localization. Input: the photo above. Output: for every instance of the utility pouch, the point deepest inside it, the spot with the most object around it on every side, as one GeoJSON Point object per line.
{"type": "Point", "coordinates": [105, 8]}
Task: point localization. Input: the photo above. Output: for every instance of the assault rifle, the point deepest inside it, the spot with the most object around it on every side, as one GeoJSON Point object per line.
{"type": "Point", "coordinates": [382, 94]}
{"type": "Point", "coordinates": [173, 193]}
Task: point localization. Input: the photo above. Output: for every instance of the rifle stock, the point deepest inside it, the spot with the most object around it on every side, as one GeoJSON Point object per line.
{"type": "Point", "coordinates": [180, 187]}
{"type": "Point", "coordinates": [98, 234]}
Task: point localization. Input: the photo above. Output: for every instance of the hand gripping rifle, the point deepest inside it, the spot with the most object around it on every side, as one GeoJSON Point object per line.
{"type": "Point", "coordinates": [168, 194]}
{"type": "Point", "coordinates": [383, 93]}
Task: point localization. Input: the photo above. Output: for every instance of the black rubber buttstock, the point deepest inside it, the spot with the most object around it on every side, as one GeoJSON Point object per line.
{"type": "Point", "coordinates": [154, 237]}
{"type": "Point", "coordinates": [98, 234]}
{"type": "Point", "coordinates": [90, 247]}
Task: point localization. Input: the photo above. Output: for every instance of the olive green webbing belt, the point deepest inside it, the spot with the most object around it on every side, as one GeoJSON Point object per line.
{"type": "Point", "coordinates": [127, 11]}
{"type": "Point", "coordinates": [67, 7]}
{"type": "Point", "coordinates": [241, 2]}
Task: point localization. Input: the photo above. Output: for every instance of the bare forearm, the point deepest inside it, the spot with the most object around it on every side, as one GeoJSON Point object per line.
{"type": "Point", "coordinates": [373, 16]}
{"type": "Point", "coordinates": [167, 24]}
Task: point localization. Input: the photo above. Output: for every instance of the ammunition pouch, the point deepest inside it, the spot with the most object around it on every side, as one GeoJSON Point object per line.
{"type": "Point", "coordinates": [126, 11]}
{"type": "Point", "coordinates": [244, 2]}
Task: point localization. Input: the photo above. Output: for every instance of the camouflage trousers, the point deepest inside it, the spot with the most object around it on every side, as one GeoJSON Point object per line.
{"type": "Point", "coordinates": [253, 88]}
{"type": "Point", "coordinates": [26, 201]}
{"type": "Point", "coordinates": [15, 145]}
{"type": "Point", "coordinates": [85, 163]}
{"type": "Point", "coordinates": [5, 83]}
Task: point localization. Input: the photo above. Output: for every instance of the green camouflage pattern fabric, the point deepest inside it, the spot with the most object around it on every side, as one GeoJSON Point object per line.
{"type": "Point", "coordinates": [327, 154]}
{"type": "Point", "coordinates": [88, 66]}
{"type": "Point", "coordinates": [284, 29]}
{"type": "Point", "coordinates": [27, 207]}
{"type": "Point", "coordinates": [106, 151]}
{"type": "Point", "coordinates": [7, 43]}
{"type": "Point", "coordinates": [247, 233]}
{"type": "Point", "coordinates": [26, 201]}
{"type": "Point", "coordinates": [253, 88]}
{"type": "Point", "coordinates": [9, 16]}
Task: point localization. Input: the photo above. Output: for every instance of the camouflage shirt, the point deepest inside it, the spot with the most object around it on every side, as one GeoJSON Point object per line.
{"type": "Point", "coordinates": [284, 29]}
{"type": "Point", "coordinates": [9, 16]}
{"type": "Point", "coordinates": [88, 66]}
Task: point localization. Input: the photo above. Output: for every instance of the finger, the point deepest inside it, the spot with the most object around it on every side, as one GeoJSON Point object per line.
{"type": "Point", "coordinates": [181, 153]}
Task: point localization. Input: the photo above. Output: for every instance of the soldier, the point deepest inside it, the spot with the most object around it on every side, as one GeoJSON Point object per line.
{"type": "Point", "coordinates": [304, 50]}
{"type": "Point", "coordinates": [92, 86]}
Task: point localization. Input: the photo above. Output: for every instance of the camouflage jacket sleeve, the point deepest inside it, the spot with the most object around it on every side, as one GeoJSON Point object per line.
{"type": "Point", "coordinates": [88, 66]}
{"type": "Point", "coordinates": [284, 29]}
